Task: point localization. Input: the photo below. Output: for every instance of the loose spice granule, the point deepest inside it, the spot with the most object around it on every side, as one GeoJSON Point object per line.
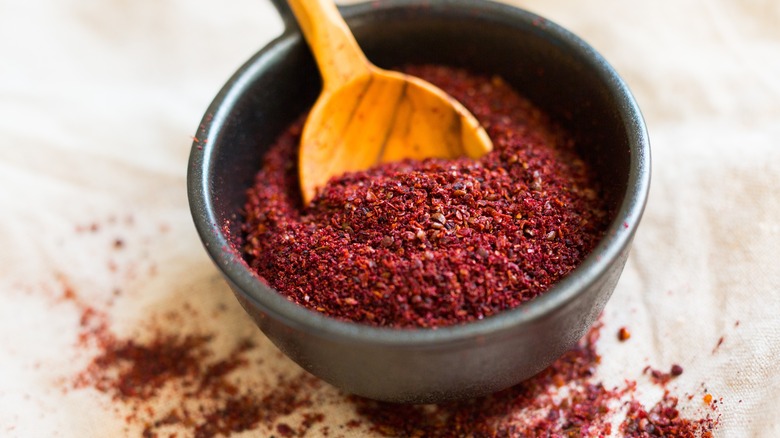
{"type": "Point", "coordinates": [658, 377]}
{"type": "Point", "coordinates": [717, 346]}
{"type": "Point", "coordinates": [663, 420]}
{"type": "Point", "coordinates": [434, 242]}
{"type": "Point", "coordinates": [623, 334]}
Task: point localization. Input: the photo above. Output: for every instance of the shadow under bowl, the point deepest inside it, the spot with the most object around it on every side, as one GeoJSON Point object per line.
{"type": "Point", "coordinates": [555, 69]}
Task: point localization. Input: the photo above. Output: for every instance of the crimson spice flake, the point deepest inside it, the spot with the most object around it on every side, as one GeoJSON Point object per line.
{"type": "Point", "coordinates": [623, 334]}
{"type": "Point", "coordinates": [435, 242]}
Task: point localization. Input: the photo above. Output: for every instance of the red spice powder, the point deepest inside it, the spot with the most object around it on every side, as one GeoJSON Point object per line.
{"type": "Point", "coordinates": [434, 242]}
{"type": "Point", "coordinates": [211, 404]}
{"type": "Point", "coordinates": [661, 378]}
{"type": "Point", "coordinates": [202, 399]}
{"type": "Point", "coordinates": [663, 420]}
{"type": "Point", "coordinates": [564, 400]}
{"type": "Point", "coordinates": [150, 366]}
{"type": "Point", "coordinates": [138, 373]}
{"type": "Point", "coordinates": [623, 334]}
{"type": "Point", "coordinates": [717, 346]}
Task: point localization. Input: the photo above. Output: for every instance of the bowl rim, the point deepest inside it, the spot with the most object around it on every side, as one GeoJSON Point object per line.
{"type": "Point", "coordinates": [229, 261]}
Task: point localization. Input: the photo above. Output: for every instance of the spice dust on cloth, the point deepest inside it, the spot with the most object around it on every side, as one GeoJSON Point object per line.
{"type": "Point", "coordinates": [114, 322]}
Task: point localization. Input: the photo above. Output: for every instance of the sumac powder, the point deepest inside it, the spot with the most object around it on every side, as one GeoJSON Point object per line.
{"type": "Point", "coordinates": [567, 399]}
{"type": "Point", "coordinates": [435, 242]}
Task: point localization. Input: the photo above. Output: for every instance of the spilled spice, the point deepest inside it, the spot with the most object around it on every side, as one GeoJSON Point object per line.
{"type": "Point", "coordinates": [150, 366]}
{"type": "Point", "coordinates": [435, 242]}
{"type": "Point", "coordinates": [663, 420]}
{"type": "Point", "coordinates": [623, 334]}
{"type": "Point", "coordinates": [141, 374]}
{"type": "Point", "coordinates": [566, 399]}
{"type": "Point", "coordinates": [661, 378]}
{"type": "Point", "coordinates": [717, 346]}
{"type": "Point", "coordinates": [176, 384]}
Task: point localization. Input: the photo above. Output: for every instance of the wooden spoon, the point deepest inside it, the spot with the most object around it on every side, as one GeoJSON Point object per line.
{"type": "Point", "coordinates": [366, 115]}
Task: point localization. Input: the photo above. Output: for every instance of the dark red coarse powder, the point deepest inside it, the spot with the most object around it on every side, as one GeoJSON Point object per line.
{"type": "Point", "coordinates": [565, 400]}
{"type": "Point", "coordinates": [662, 378]}
{"type": "Point", "coordinates": [139, 374]}
{"type": "Point", "coordinates": [434, 242]}
{"type": "Point", "coordinates": [663, 420]}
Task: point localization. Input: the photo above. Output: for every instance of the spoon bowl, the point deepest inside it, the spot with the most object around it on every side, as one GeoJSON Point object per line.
{"type": "Point", "coordinates": [558, 71]}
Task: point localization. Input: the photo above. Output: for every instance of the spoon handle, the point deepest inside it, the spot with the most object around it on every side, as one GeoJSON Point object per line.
{"type": "Point", "coordinates": [337, 52]}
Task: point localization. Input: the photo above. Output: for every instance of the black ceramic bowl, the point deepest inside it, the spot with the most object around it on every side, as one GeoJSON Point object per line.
{"type": "Point", "coordinates": [551, 66]}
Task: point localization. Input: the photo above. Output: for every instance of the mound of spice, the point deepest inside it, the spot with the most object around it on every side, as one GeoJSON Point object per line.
{"type": "Point", "coordinates": [435, 242]}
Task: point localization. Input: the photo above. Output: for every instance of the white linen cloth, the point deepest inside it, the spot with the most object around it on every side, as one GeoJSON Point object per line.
{"type": "Point", "coordinates": [98, 102]}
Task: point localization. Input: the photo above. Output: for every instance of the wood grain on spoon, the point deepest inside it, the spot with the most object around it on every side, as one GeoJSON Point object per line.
{"type": "Point", "coordinates": [366, 115]}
